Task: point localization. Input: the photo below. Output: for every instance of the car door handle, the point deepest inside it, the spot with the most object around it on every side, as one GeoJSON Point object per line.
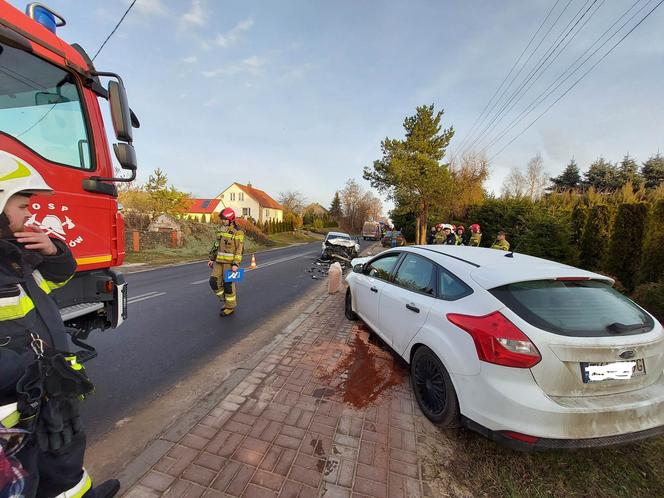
{"type": "Point", "coordinates": [373, 289]}
{"type": "Point", "coordinates": [412, 307]}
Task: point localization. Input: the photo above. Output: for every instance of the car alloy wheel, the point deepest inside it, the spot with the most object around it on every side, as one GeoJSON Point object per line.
{"type": "Point", "coordinates": [433, 388]}
{"type": "Point", "coordinates": [348, 307]}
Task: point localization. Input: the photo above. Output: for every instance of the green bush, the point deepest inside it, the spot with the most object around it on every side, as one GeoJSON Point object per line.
{"type": "Point", "coordinates": [546, 236]}
{"type": "Point", "coordinates": [652, 265]}
{"type": "Point", "coordinates": [624, 257]}
{"type": "Point", "coordinates": [579, 218]}
{"type": "Point", "coordinates": [595, 238]}
{"type": "Point", "coordinates": [495, 215]}
{"type": "Point", "coordinates": [651, 297]}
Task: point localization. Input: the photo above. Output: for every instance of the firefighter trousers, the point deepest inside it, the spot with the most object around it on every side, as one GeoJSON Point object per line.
{"type": "Point", "coordinates": [53, 472]}
{"type": "Point", "coordinates": [225, 291]}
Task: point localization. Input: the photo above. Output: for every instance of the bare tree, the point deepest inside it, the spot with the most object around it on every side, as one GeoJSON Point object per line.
{"type": "Point", "coordinates": [536, 179]}
{"type": "Point", "coordinates": [469, 172]}
{"type": "Point", "coordinates": [293, 201]}
{"type": "Point", "coordinates": [515, 184]}
{"type": "Point", "coordinates": [530, 184]}
{"type": "Point", "coordinates": [358, 206]}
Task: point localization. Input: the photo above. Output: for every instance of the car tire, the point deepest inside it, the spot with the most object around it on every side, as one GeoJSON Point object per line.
{"type": "Point", "coordinates": [433, 389]}
{"type": "Point", "coordinates": [348, 307]}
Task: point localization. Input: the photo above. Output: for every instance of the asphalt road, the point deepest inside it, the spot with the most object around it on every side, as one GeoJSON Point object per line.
{"type": "Point", "coordinates": [174, 327]}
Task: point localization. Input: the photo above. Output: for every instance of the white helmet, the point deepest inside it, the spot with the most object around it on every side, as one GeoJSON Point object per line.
{"type": "Point", "coordinates": [447, 226]}
{"type": "Point", "coordinates": [18, 177]}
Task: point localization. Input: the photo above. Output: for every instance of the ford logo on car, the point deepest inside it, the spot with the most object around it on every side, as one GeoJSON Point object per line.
{"type": "Point", "coordinates": [627, 354]}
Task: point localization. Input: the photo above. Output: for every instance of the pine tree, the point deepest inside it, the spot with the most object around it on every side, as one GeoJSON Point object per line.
{"type": "Point", "coordinates": [569, 179]}
{"type": "Point", "coordinates": [628, 171]}
{"type": "Point", "coordinates": [602, 175]}
{"type": "Point", "coordinates": [595, 238]}
{"type": "Point", "coordinates": [624, 256]}
{"type": "Point", "coordinates": [335, 208]}
{"type": "Point", "coordinates": [653, 171]}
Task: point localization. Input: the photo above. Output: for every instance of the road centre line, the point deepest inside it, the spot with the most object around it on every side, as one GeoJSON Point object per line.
{"type": "Point", "coordinates": [264, 265]}
{"type": "Point", "coordinates": [142, 295]}
{"type": "Point", "coordinates": [135, 300]}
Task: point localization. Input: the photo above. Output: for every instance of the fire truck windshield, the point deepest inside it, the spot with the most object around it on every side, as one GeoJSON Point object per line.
{"type": "Point", "coordinates": [40, 106]}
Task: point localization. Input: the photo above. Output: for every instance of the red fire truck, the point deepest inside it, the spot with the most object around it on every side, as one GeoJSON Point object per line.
{"type": "Point", "coordinates": [50, 119]}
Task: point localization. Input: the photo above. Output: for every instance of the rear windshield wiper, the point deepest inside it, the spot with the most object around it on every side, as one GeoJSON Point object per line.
{"type": "Point", "coordinates": [619, 328]}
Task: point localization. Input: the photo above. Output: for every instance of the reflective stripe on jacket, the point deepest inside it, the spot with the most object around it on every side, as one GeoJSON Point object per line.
{"type": "Point", "coordinates": [502, 245]}
{"type": "Point", "coordinates": [26, 280]}
{"type": "Point", "coordinates": [228, 246]}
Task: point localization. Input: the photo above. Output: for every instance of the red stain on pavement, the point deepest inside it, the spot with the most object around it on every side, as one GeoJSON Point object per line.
{"type": "Point", "coordinates": [364, 371]}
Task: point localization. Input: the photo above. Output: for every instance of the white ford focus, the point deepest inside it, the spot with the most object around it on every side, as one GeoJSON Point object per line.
{"type": "Point", "coordinates": [528, 352]}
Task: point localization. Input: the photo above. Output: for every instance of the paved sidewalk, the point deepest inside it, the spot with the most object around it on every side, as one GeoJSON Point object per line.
{"type": "Point", "coordinates": [328, 412]}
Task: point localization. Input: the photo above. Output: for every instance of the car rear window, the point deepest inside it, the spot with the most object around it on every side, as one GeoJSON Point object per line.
{"type": "Point", "coordinates": [587, 308]}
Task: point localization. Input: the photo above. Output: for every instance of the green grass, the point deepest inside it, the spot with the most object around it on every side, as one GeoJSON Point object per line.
{"type": "Point", "coordinates": [197, 249]}
{"type": "Point", "coordinates": [487, 469]}
{"type": "Point", "coordinates": [289, 238]}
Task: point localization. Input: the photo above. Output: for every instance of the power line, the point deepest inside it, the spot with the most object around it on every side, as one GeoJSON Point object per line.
{"type": "Point", "coordinates": [496, 103]}
{"type": "Point", "coordinates": [472, 128]}
{"type": "Point", "coordinates": [548, 91]}
{"type": "Point", "coordinates": [519, 93]}
{"type": "Point", "coordinates": [114, 29]}
{"type": "Point", "coordinates": [579, 80]}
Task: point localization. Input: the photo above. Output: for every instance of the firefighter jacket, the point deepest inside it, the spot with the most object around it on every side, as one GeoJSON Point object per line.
{"type": "Point", "coordinates": [475, 239]}
{"type": "Point", "coordinates": [228, 246]}
{"type": "Point", "coordinates": [450, 240]}
{"type": "Point", "coordinates": [26, 280]}
{"type": "Point", "coordinates": [439, 238]}
{"type": "Point", "coordinates": [503, 245]}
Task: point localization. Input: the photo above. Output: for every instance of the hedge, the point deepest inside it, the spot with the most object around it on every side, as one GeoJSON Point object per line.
{"type": "Point", "coordinates": [624, 256]}
{"type": "Point", "coordinates": [595, 238]}
{"type": "Point", "coordinates": [652, 266]}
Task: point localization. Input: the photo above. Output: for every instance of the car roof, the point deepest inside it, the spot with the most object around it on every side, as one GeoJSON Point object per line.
{"type": "Point", "coordinates": [338, 233]}
{"type": "Point", "coordinates": [493, 268]}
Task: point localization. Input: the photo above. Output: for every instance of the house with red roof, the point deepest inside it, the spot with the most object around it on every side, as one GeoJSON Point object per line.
{"type": "Point", "coordinates": [204, 209]}
{"type": "Point", "coordinates": [249, 202]}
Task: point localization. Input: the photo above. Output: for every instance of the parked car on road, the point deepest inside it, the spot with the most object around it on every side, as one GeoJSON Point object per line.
{"type": "Point", "coordinates": [371, 230]}
{"type": "Point", "coordinates": [525, 351]}
{"type": "Point", "coordinates": [386, 241]}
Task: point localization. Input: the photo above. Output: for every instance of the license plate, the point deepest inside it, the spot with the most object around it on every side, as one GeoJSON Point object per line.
{"type": "Point", "coordinates": [619, 370]}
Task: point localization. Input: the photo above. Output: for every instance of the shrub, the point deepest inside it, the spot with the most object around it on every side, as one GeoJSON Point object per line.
{"type": "Point", "coordinates": [595, 237]}
{"type": "Point", "coordinates": [652, 266]}
{"type": "Point", "coordinates": [624, 257]}
{"type": "Point", "coordinates": [651, 297]}
{"type": "Point", "coordinates": [495, 215]}
{"type": "Point", "coordinates": [253, 232]}
{"type": "Point", "coordinates": [546, 236]}
{"type": "Point", "coordinates": [579, 218]}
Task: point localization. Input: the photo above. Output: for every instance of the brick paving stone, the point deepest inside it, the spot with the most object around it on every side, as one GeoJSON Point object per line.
{"type": "Point", "coordinates": [199, 475]}
{"type": "Point", "coordinates": [268, 480]}
{"type": "Point", "coordinates": [370, 488]}
{"type": "Point", "coordinates": [240, 481]}
{"type": "Point", "coordinates": [310, 477]}
{"type": "Point", "coordinates": [157, 481]}
{"type": "Point", "coordinates": [193, 441]}
{"type": "Point", "coordinates": [371, 472]}
{"type": "Point", "coordinates": [332, 491]}
{"type": "Point", "coordinates": [285, 460]}
{"type": "Point", "coordinates": [204, 431]}
{"type": "Point", "coordinates": [210, 461]}
{"type": "Point", "coordinates": [254, 491]}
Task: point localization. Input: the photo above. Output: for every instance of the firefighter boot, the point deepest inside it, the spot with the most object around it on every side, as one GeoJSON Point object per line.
{"type": "Point", "coordinates": [226, 312]}
{"type": "Point", "coordinates": [107, 489]}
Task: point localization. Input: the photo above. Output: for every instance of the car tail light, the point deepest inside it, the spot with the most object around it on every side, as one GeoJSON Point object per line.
{"type": "Point", "coordinates": [524, 438]}
{"type": "Point", "coordinates": [498, 340]}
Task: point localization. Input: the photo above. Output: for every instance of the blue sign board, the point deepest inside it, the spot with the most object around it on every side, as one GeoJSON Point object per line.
{"type": "Point", "coordinates": [234, 276]}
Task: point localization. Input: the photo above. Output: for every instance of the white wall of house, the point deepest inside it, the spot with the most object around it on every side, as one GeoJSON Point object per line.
{"type": "Point", "coordinates": [245, 205]}
{"type": "Point", "coordinates": [239, 201]}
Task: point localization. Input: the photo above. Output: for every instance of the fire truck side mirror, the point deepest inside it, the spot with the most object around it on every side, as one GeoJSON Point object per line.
{"type": "Point", "coordinates": [126, 155]}
{"type": "Point", "coordinates": [120, 112]}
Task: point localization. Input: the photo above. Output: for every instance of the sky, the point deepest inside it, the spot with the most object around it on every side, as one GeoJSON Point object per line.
{"type": "Point", "coordinates": [297, 95]}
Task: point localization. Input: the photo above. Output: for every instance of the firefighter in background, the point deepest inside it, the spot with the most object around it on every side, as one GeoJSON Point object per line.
{"type": "Point", "coordinates": [41, 384]}
{"type": "Point", "coordinates": [501, 242]}
{"type": "Point", "coordinates": [460, 232]}
{"type": "Point", "coordinates": [475, 235]}
{"type": "Point", "coordinates": [226, 254]}
{"type": "Point", "coordinates": [450, 236]}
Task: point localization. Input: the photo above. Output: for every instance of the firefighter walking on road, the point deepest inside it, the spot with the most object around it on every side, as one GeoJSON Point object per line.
{"type": "Point", "coordinates": [226, 254]}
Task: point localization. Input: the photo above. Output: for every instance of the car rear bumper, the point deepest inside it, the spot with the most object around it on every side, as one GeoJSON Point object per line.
{"type": "Point", "coordinates": [542, 444]}
{"type": "Point", "coordinates": [503, 399]}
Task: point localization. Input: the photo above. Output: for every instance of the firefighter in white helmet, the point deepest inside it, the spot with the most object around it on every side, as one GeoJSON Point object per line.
{"type": "Point", "coordinates": [40, 382]}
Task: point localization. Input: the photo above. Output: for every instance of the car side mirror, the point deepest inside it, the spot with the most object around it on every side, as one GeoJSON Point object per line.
{"type": "Point", "coordinates": [359, 268]}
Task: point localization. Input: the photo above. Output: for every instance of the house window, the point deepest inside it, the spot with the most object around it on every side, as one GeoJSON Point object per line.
{"type": "Point", "coordinates": [246, 211]}
{"type": "Point", "coordinates": [267, 213]}
{"type": "Point", "coordinates": [241, 194]}
{"type": "Point", "coordinates": [232, 196]}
